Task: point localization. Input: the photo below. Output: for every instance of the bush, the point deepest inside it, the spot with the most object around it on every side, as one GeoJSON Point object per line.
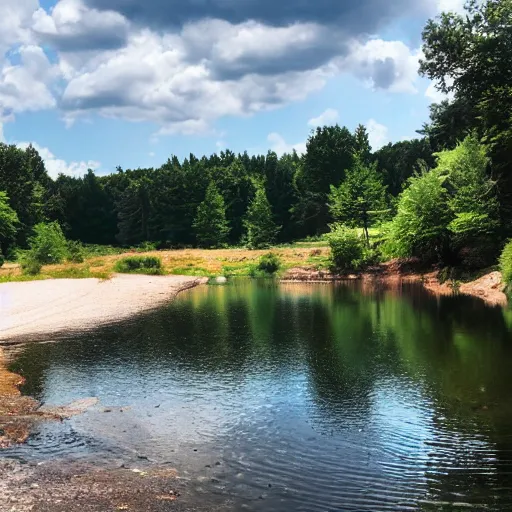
{"type": "Point", "coordinates": [76, 252]}
{"type": "Point", "coordinates": [48, 244]}
{"type": "Point", "coordinates": [347, 248]}
{"type": "Point", "coordinates": [139, 265]}
{"type": "Point", "coordinates": [269, 263]}
{"type": "Point", "coordinates": [506, 266]}
{"type": "Point", "coordinates": [29, 263]}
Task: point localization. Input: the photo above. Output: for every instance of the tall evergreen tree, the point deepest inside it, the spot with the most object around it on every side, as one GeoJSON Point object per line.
{"type": "Point", "coordinates": [259, 222]}
{"type": "Point", "coordinates": [8, 223]}
{"type": "Point", "coordinates": [210, 224]}
{"type": "Point", "coordinates": [133, 212]}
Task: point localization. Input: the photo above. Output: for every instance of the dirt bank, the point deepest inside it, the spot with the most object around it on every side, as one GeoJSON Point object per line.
{"type": "Point", "coordinates": [41, 309]}
{"type": "Point", "coordinates": [489, 287]}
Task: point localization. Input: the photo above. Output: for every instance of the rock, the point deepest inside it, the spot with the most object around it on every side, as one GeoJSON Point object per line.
{"type": "Point", "coordinates": [221, 280]}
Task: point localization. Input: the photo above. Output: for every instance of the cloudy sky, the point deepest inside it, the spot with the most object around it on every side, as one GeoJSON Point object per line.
{"type": "Point", "coordinates": [101, 83]}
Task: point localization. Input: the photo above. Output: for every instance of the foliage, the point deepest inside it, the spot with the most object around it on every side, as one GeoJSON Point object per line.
{"type": "Point", "coordinates": [8, 220]}
{"type": "Point", "coordinates": [347, 247]}
{"type": "Point", "coordinates": [48, 243]}
{"type": "Point", "coordinates": [469, 56]}
{"type": "Point", "coordinates": [360, 199]}
{"type": "Point", "coordinates": [76, 252]}
{"type": "Point", "coordinates": [329, 153]}
{"type": "Point", "coordinates": [269, 263]}
{"type": "Point", "coordinates": [420, 227]}
{"type": "Point", "coordinates": [2, 260]}
{"type": "Point", "coordinates": [259, 222]}
{"type": "Point", "coordinates": [29, 263]}
{"type": "Point", "coordinates": [139, 265]}
{"type": "Point", "coordinates": [506, 266]}
{"type": "Point", "coordinates": [210, 224]}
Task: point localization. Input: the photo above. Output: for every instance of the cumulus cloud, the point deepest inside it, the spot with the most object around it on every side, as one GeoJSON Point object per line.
{"type": "Point", "coordinates": [183, 64]}
{"type": "Point", "coordinates": [354, 17]}
{"type": "Point", "coordinates": [71, 26]}
{"type": "Point", "coordinates": [385, 65]}
{"type": "Point", "coordinates": [377, 134]}
{"type": "Point", "coordinates": [326, 118]}
{"type": "Point", "coordinates": [15, 22]}
{"type": "Point", "coordinates": [280, 146]}
{"type": "Point", "coordinates": [56, 166]}
{"type": "Point", "coordinates": [25, 86]}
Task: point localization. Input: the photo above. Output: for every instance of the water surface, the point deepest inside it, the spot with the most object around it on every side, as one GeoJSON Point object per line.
{"type": "Point", "coordinates": [295, 397]}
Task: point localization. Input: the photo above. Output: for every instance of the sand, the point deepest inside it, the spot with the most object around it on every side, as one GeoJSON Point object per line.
{"type": "Point", "coordinates": [35, 310]}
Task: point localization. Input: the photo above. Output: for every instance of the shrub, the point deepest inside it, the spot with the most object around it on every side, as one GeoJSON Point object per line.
{"type": "Point", "coordinates": [347, 248]}
{"type": "Point", "coordinates": [29, 263]}
{"type": "Point", "coordinates": [269, 263]}
{"type": "Point", "coordinates": [75, 252]}
{"type": "Point", "coordinates": [139, 265]}
{"type": "Point", "coordinates": [48, 244]}
{"type": "Point", "coordinates": [506, 266]}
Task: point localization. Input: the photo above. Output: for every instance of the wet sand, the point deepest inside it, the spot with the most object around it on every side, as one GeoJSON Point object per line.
{"type": "Point", "coordinates": [41, 309]}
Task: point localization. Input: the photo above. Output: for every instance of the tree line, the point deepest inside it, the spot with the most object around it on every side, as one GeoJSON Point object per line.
{"type": "Point", "coordinates": [439, 196]}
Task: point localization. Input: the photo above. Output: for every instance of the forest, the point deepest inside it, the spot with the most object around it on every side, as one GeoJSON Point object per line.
{"type": "Point", "coordinates": [444, 197]}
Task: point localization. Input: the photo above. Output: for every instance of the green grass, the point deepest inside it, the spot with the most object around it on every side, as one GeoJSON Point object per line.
{"type": "Point", "coordinates": [192, 271]}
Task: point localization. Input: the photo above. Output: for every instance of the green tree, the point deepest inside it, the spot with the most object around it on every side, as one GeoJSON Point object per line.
{"type": "Point", "coordinates": [420, 227]}
{"type": "Point", "coordinates": [363, 150]}
{"type": "Point", "coordinates": [397, 162]}
{"type": "Point", "coordinates": [469, 56]}
{"type": "Point", "coordinates": [210, 224]}
{"type": "Point", "coordinates": [133, 212]}
{"type": "Point", "coordinates": [8, 222]}
{"type": "Point", "coordinates": [48, 244]}
{"type": "Point", "coordinates": [475, 225]}
{"type": "Point", "coordinates": [329, 152]}
{"type": "Point", "coordinates": [360, 198]}
{"type": "Point", "coordinates": [259, 222]}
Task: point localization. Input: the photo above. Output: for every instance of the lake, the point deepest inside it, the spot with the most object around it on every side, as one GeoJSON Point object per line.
{"type": "Point", "coordinates": [282, 397]}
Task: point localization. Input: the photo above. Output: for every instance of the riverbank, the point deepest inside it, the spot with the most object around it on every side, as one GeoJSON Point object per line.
{"type": "Point", "coordinates": [41, 309]}
{"type": "Point", "coordinates": [488, 287]}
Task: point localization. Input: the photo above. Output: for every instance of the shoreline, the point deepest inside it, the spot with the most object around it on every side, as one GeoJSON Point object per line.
{"type": "Point", "coordinates": [36, 310]}
{"type": "Point", "coordinates": [488, 287]}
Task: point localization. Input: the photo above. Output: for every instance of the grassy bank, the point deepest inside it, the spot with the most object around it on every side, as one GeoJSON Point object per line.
{"type": "Point", "coordinates": [190, 262]}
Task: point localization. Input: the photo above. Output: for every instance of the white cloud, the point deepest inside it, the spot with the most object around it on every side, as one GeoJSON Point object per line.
{"type": "Point", "coordinates": [183, 77]}
{"type": "Point", "coordinates": [71, 26]}
{"type": "Point", "coordinates": [2, 136]}
{"type": "Point", "coordinates": [385, 65]}
{"type": "Point", "coordinates": [25, 86]}
{"type": "Point", "coordinates": [377, 134]}
{"type": "Point", "coordinates": [326, 118]}
{"type": "Point", "coordinates": [456, 6]}
{"type": "Point", "coordinates": [56, 166]}
{"type": "Point", "coordinates": [280, 146]}
{"type": "Point", "coordinates": [15, 21]}
{"type": "Point", "coordinates": [437, 96]}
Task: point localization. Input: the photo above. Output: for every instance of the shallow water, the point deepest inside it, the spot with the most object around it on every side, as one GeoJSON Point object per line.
{"type": "Point", "coordinates": [295, 397]}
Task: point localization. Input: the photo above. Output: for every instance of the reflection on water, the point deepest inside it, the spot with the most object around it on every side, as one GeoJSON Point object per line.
{"type": "Point", "coordinates": [296, 397]}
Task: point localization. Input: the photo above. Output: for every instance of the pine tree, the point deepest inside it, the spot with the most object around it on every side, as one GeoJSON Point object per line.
{"type": "Point", "coordinates": [8, 222]}
{"type": "Point", "coordinates": [133, 213]}
{"type": "Point", "coordinates": [259, 222]}
{"type": "Point", "coordinates": [363, 150]}
{"type": "Point", "coordinates": [210, 225]}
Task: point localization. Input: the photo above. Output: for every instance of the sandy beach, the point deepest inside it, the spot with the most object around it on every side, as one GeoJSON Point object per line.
{"type": "Point", "coordinates": [36, 309]}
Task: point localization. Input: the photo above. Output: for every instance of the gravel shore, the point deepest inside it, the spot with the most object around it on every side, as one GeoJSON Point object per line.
{"type": "Point", "coordinates": [40, 309]}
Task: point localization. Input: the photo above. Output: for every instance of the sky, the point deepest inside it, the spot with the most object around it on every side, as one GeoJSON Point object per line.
{"type": "Point", "coordinates": [105, 83]}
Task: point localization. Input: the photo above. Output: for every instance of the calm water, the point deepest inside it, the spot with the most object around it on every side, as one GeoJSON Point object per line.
{"type": "Point", "coordinates": [296, 397]}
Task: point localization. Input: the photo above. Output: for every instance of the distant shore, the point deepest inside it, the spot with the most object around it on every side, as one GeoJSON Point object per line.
{"type": "Point", "coordinates": [35, 309]}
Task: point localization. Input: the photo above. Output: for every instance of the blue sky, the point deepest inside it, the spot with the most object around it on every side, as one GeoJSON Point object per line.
{"type": "Point", "coordinates": [102, 83]}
